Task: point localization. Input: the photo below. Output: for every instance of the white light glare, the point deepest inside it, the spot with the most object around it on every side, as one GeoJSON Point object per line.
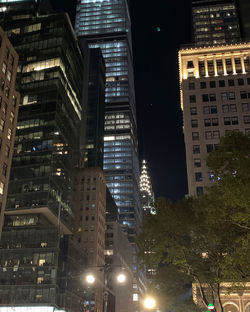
{"type": "Point", "coordinates": [149, 303]}
{"type": "Point", "coordinates": [90, 279]}
{"type": "Point", "coordinates": [121, 278]}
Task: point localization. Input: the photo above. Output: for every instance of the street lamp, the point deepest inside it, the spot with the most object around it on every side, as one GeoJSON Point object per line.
{"type": "Point", "coordinates": [149, 303]}
{"type": "Point", "coordinates": [121, 278]}
{"type": "Point", "coordinates": [90, 279]}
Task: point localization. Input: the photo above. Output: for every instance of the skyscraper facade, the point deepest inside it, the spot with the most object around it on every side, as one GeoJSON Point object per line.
{"type": "Point", "coordinates": [36, 253]}
{"type": "Point", "coordinates": [215, 98]}
{"type": "Point", "coordinates": [215, 22]}
{"type": "Point", "coordinates": [9, 101]}
{"type": "Point", "coordinates": [106, 24]}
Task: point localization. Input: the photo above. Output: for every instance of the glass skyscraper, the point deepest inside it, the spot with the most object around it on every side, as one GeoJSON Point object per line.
{"type": "Point", "coordinates": [106, 25]}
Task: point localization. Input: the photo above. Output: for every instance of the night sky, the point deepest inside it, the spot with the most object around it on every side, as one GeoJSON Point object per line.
{"type": "Point", "coordinates": [159, 115]}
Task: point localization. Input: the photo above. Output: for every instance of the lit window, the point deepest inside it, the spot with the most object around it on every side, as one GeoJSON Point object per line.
{"type": "Point", "coordinates": [1, 188]}
{"type": "Point", "coordinates": [4, 67]}
{"type": "Point", "coordinates": [9, 134]}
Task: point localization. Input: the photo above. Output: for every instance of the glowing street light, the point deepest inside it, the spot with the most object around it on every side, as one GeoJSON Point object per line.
{"type": "Point", "coordinates": [121, 278]}
{"type": "Point", "coordinates": [90, 279]}
{"type": "Point", "coordinates": [149, 303]}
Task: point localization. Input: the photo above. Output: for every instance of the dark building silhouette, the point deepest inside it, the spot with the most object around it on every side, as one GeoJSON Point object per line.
{"type": "Point", "coordinates": [40, 263]}
{"type": "Point", "coordinates": [244, 13]}
{"type": "Point", "coordinates": [95, 110]}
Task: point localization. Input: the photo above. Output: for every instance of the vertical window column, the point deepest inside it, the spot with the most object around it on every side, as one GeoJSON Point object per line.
{"type": "Point", "coordinates": [224, 66]}
{"type": "Point", "coordinates": [242, 64]}
{"type": "Point", "coordinates": [233, 65]}
{"type": "Point", "coordinates": [206, 67]}
{"type": "Point", "coordinates": [215, 67]}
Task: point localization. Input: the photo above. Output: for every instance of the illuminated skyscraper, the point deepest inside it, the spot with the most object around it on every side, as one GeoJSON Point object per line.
{"type": "Point", "coordinates": [220, 21]}
{"type": "Point", "coordinates": [146, 189]}
{"type": "Point", "coordinates": [106, 24]}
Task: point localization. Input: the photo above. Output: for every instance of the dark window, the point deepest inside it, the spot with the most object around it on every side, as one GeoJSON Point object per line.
{"type": "Point", "coordinates": [208, 135]}
{"type": "Point", "coordinates": [11, 60]}
{"type": "Point", "coordinates": [231, 82]}
{"type": "Point", "coordinates": [245, 107]}
{"type": "Point", "coordinates": [212, 97]}
{"type": "Point", "coordinates": [203, 85]}
{"type": "Point", "coordinates": [216, 134]}
{"type": "Point", "coordinates": [213, 109]}
{"type": "Point", "coordinates": [225, 108]}
{"type": "Point", "coordinates": [7, 53]}
{"type": "Point", "coordinates": [87, 218]}
{"type": "Point", "coordinates": [206, 110]}
{"type": "Point", "coordinates": [194, 123]}
{"type": "Point", "coordinates": [191, 85]}
{"type": "Point", "coordinates": [241, 82]}
{"type": "Point", "coordinates": [243, 95]}
{"type": "Point", "coordinates": [222, 83]}
{"type": "Point", "coordinates": [231, 96]}
{"type": "Point", "coordinates": [192, 98]}
{"type": "Point", "coordinates": [196, 149]}
{"type": "Point", "coordinates": [212, 84]}
{"type": "Point", "coordinates": [227, 121]}
{"type": "Point", "coordinates": [248, 80]}
{"type": "Point", "coordinates": [199, 190]}
{"type": "Point", "coordinates": [210, 148]}
{"type": "Point", "coordinates": [205, 98]}
{"type": "Point", "coordinates": [190, 64]}
{"type": "Point", "coordinates": [234, 120]}
{"type": "Point", "coordinates": [215, 121]}
{"type": "Point", "coordinates": [2, 84]}
{"type": "Point", "coordinates": [207, 122]}
{"type": "Point", "coordinates": [7, 151]}
{"type": "Point", "coordinates": [193, 110]}
{"type": "Point", "coordinates": [195, 136]}
{"type": "Point", "coordinates": [224, 96]}
{"type": "Point", "coordinates": [233, 108]}
{"type": "Point", "coordinates": [197, 162]}
{"type": "Point", "coordinates": [246, 119]}
{"type": "Point", "coordinates": [198, 176]}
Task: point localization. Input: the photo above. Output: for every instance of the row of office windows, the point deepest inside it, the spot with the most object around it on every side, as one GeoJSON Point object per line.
{"type": "Point", "coordinates": [224, 96]}
{"type": "Point", "coordinates": [222, 83]}
{"type": "Point", "coordinates": [211, 147]}
{"type": "Point", "coordinates": [226, 108]}
{"type": "Point", "coordinates": [213, 122]}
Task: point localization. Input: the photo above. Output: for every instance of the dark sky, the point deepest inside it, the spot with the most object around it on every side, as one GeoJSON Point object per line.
{"type": "Point", "coordinates": [159, 115]}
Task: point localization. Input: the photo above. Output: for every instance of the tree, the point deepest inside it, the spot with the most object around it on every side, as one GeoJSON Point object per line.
{"type": "Point", "coordinates": [231, 167]}
{"type": "Point", "coordinates": [207, 238]}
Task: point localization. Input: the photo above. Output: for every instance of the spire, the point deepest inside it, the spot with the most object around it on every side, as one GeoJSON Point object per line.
{"type": "Point", "coordinates": [145, 183]}
{"type": "Point", "coordinates": [146, 189]}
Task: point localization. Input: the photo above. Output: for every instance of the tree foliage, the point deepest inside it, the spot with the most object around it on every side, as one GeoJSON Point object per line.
{"type": "Point", "coordinates": [205, 239]}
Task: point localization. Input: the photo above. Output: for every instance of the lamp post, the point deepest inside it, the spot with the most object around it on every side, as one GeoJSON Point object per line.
{"type": "Point", "coordinates": [120, 278]}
